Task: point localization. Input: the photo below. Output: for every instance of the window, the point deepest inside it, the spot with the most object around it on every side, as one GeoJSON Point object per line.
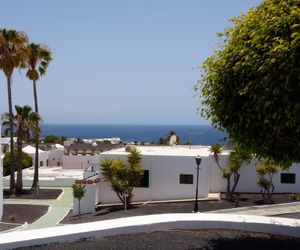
{"type": "Point", "coordinates": [41, 163]}
{"type": "Point", "coordinates": [186, 179]}
{"type": "Point", "coordinates": [144, 183]}
{"type": "Point", "coordinates": [288, 178]}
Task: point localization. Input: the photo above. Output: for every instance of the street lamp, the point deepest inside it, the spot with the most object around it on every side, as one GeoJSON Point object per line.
{"type": "Point", "coordinates": [198, 162]}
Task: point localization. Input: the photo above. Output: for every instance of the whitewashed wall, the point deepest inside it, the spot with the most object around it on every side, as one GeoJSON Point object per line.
{"type": "Point", "coordinates": [164, 183]}
{"type": "Point", "coordinates": [164, 174]}
{"type": "Point", "coordinates": [55, 157]}
{"type": "Point", "coordinates": [88, 201]}
{"type": "Point", "coordinates": [79, 161]}
{"type": "Point", "coordinates": [248, 179]}
{"type": "Point", "coordinates": [43, 156]}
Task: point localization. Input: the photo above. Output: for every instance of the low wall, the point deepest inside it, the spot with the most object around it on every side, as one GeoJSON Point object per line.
{"type": "Point", "coordinates": [150, 223]}
{"type": "Point", "coordinates": [79, 161]}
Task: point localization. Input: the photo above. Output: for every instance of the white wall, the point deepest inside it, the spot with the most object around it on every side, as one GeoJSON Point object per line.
{"type": "Point", "coordinates": [79, 161]}
{"type": "Point", "coordinates": [55, 157]}
{"type": "Point", "coordinates": [164, 174]}
{"type": "Point", "coordinates": [43, 156]}
{"type": "Point", "coordinates": [87, 203]}
{"type": "Point", "coordinates": [248, 179]}
{"type": "Point", "coordinates": [164, 183]}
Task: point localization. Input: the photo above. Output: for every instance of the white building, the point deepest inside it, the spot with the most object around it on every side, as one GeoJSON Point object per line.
{"type": "Point", "coordinates": [285, 181]}
{"type": "Point", "coordinates": [56, 155]}
{"type": "Point", "coordinates": [5, 144]}
{"type": "Point", "coordinates": [170, 174]}
{"type": "Point", "coordinates": [43, 155]}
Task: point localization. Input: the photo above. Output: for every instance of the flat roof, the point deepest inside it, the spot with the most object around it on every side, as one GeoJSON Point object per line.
{"type": "Point", "coordinates": [179, 150]}
{"type": "Point", "coordinates": [50, 173]}
{"type": "Point", "coordinates": [31, 150]}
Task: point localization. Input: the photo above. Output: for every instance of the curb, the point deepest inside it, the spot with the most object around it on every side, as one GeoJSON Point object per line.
{"type": "Point", "coordinates": [150, 223]}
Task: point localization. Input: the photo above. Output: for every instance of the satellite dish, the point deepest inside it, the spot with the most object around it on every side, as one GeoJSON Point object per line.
{"type": "Point", "coordinates": [173, 140]}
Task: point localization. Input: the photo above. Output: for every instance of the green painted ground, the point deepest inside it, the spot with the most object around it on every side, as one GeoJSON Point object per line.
{"type": "Point", "coordinates": [57, 209]}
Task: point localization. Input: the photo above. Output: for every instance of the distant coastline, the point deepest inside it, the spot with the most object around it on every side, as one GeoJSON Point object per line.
{"type": "Point", "coordinates": [198, 134]}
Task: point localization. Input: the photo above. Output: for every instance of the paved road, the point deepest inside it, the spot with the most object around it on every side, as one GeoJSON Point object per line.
{"type": "Point", "coordinates": [57, 209]}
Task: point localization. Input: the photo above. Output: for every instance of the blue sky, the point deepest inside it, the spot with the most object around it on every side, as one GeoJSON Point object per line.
{"type": "Point", "coordinates": [118, 62]}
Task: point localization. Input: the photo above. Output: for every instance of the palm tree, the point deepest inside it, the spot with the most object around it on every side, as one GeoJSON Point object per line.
{"type": "Point", "coordinates": [123, 177]}
{"type": "Point", "coordinates": [25, 122]}
{"type": "Point", "coordinates": [38, 59]}
{"type": "Point", "coordinates": [12, 54]}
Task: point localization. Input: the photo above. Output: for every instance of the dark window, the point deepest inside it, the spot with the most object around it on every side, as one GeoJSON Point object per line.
{"type": "Point", "coordinates": [288, 178]}
{"type": "Point", "coordinates": [186, 179]}
{"type": "Point", "coordinates": [41, 163]}
{"type": "Point", "coordinates": [144, 183]}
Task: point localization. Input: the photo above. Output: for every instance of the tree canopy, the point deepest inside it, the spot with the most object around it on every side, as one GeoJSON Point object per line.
{"type": "Point", "coordinates": [250, 86]}
{"type": "Point", "coordinates": [26, 162]}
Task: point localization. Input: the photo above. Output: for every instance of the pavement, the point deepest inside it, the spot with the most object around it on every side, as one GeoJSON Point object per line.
{"type": "Point", "coordinates": [266, 210]}
{"type": "Point", "coordinates": [58, 209]}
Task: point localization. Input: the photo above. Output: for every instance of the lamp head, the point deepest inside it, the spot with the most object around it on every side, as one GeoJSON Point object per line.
{"type": "Point", "coordinates": [198, 160]}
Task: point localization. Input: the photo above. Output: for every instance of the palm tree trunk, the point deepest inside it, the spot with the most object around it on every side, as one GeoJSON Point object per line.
{"type": "Point", "coordinates": [35, 185]}
{"type": "Point", "coordinates": [19, 184]}
{"type": "Point", "coordinates": [11, 135]}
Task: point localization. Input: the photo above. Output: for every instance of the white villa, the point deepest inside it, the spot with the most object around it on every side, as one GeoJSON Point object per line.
{"type": "Point", "coordinates": [43, 155]}
{"type": "Point", "coordinates": [170, 174]}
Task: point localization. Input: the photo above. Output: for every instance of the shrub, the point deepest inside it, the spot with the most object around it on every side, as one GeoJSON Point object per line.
{"type": "Point", "coordinates": [294, 197]}
{"type": "Point", "coordinates": [26, 162]}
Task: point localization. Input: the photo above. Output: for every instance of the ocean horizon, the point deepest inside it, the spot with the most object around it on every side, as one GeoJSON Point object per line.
{"type": "Point", "coordinates": [197, 134]}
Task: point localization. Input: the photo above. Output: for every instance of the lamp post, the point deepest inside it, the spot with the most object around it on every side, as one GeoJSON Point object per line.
{"type": "Point", "coordinates": [198, 162]}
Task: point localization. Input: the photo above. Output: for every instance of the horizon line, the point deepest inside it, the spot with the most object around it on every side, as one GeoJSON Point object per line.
{"type": "Point", "coordinates": [127, 124]}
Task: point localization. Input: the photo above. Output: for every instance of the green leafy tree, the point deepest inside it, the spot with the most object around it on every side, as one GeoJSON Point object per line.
{"type": "Point", "coordinates": [161, 141]}
{"type": "Point", "coordinates": [51, 139]}
{"type": "Point", "coordinates": [26, 162]}
{"type": "Point", "coordinates": [236, 159]}
{"type": "Point", "coordinates": [37, 60]}
{"type": "Point", "coordinates": [78, 193]}
{"type": "Point", "coordinates": [123, 177]}
{"type": "Point", "coordinates": [62, 139]}
{"type": "Point", "coordinates": [250, 85]}
{"type": "Point", "coordinates": [266, 171]}
{"type": "Point", "coordinates": [12, 56]}
{"type": "Point", "coordinates": [25, 122]}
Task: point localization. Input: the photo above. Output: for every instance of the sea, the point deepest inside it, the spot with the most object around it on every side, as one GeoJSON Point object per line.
{"type": "Point", "coordinates": [197, 134]}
